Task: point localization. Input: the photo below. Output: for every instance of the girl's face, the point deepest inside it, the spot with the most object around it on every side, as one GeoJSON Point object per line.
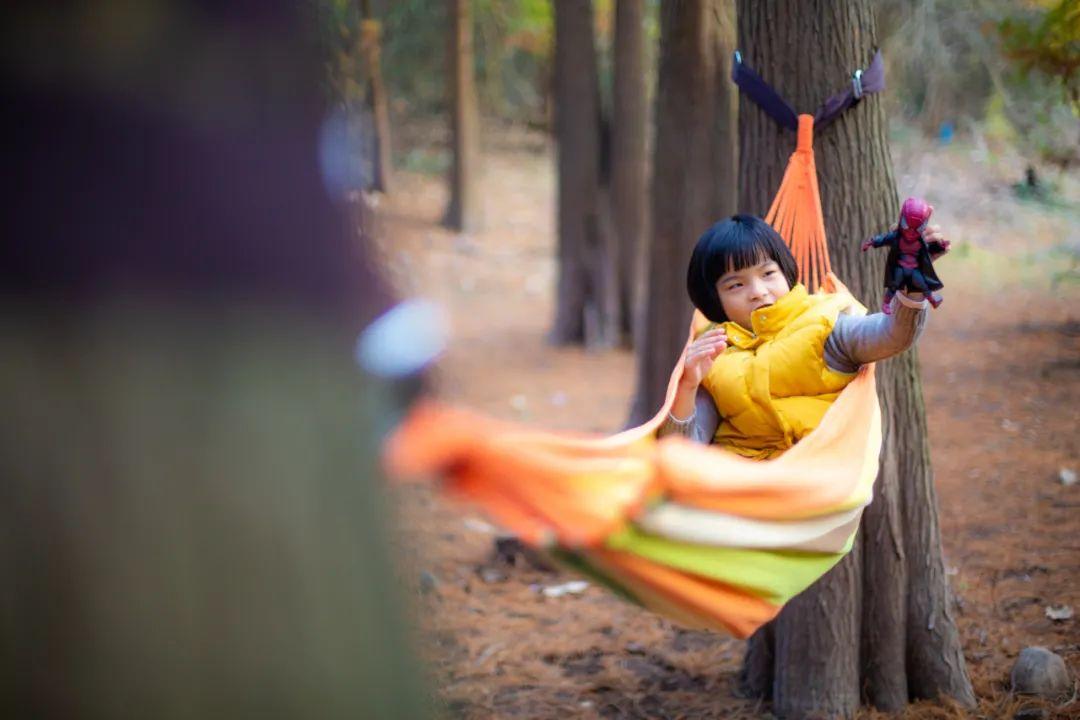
{"type": "Point", "coordinates": [744, 291]}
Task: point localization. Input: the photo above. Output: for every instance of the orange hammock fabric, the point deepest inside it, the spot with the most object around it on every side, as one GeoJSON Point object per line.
{"type": "Point", "coordinates": [694, 532]}
{"type": "Point", "coordinates": [796, 211]}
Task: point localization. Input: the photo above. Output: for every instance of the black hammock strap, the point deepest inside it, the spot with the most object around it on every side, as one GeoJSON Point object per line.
{"type": "Point", "coordinates": [870, 80]}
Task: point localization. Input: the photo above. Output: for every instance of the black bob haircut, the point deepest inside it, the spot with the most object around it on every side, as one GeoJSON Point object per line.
{"type": "Point", "coordinates": [733, 244]}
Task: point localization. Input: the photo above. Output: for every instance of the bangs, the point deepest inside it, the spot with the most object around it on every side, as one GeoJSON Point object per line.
{"type": "Point", "coordinates": [744, 251]}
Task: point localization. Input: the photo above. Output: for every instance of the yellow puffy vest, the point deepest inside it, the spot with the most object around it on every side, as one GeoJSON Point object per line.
{"type": "Point", "coordinates": [771, 385]}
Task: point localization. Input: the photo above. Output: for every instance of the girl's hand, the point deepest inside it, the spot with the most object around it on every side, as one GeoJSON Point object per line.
{"type": "Point", "coordinates": [933, 235]}
{"type": "Point", "coordinates": [699, 358]}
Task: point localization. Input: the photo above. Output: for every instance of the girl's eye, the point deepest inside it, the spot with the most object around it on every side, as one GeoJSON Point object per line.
{"type": "Point", "coordinates": [769, 272]}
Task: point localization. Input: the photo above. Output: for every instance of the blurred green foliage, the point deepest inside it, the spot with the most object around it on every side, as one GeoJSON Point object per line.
{"type": "Point", "coordinates": [991, 66]}
{"type": "Point", "coordinates": [1041, 90]}
{"type": "Point", "coordinates": [995, 67]}
{"type": "Point", "coordinates": [513, 42]}
{"type": "Point", "coordinates": [512, 51]}
{"type": "Point", "coordinates": [339, 22]}
{"type": "Point", "coordinates": [1047, 40]}
{"type": "Point", "coordinates": [1070, 257]}
{"type": "Point", "coordinates": [937, 54]}
{"type": "Point", "coordinates": [414, 54]}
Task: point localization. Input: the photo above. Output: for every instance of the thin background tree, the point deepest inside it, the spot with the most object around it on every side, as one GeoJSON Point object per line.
{"type": "Point", "coordinates": [629, 157]}
{"type": "Point", "coordinates": [464, 210]}
{"type": "Point", "coordinates": [586, 299]}
{"type": "Point", "coordinates": [371, 48]}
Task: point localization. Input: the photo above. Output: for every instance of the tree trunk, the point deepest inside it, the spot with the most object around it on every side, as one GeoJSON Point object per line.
{"type": "Point", "coordinates": [629, 162]}
{"type": "Point", "coordinates": [464, 211]}
{"type": "Point", "coordinates": [682, 191]}
{"type": "Point", "coordinates": [371, 34]}
{"type": "Point", "coordinates": [882, 616]}
{"type": "Point", "coordinates": [726, 134]}
{"type": "Point", "coordinates": [585, 310]}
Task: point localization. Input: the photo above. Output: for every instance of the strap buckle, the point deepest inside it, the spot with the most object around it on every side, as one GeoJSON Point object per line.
{"type": "Point", "coordinates": [856, 84]}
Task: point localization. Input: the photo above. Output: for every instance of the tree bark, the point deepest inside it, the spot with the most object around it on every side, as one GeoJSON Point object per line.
{"type": "Point", "coordinates": [464, 210]}
{"type": "Point", "coordinates": [816, 652]}
{"type": "Point", "coordinates": [629, 162]}
{"type": "Point", "coordinates": [882, 616]}
{"type": "Point", "coordinates": [726, 134]}
{"type": "Point", "coordinates": [682, 190]}
{"type": "Point", "coordinates": [371, 38]}
{"type": "Point", "coordinates": [585, 309]}
{"type": "Point", "coordinates": [756, 677]}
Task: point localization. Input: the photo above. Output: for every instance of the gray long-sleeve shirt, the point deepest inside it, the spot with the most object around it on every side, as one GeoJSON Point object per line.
{"type": "Point", "coordinates": [854, 341]}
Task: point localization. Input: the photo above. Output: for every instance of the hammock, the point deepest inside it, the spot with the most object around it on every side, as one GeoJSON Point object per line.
{"type": "Point", "coordinates": [696, 533]}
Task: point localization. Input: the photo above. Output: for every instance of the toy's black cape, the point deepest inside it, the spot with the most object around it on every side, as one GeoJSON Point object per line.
{"type": "Point", "coordinates": [926, 267]}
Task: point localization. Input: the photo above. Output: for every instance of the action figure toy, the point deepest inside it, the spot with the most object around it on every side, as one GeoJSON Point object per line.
{"type": "Point", "coordinates": [910, 263]}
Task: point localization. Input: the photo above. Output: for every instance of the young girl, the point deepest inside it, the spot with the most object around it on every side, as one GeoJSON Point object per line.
{"type": "Point", "coordinates": [761, 377]}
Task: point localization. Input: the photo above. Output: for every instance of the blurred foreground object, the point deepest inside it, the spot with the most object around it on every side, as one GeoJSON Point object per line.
{"type": "Point", "coordinates": [190, 517]}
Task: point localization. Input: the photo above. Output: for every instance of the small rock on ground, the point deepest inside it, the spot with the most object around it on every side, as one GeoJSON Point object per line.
{"type": "Point", "coordinates": [1040, 672]}
{"type": "Point", "coordinates": [429, 584]}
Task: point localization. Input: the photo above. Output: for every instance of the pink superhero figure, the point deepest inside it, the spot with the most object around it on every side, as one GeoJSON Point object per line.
{"type": "Point", "coordinates": [910, 263]}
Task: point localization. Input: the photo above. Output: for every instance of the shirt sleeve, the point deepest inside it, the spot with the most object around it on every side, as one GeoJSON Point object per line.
{"type": "Point", "coordinates": [699, 427]}
{"type": "Point", "coordinates": [857, 340]}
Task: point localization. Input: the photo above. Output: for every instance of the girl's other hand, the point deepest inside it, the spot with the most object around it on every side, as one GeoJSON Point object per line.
{"type": "Point", "coordinates": [699, 358]}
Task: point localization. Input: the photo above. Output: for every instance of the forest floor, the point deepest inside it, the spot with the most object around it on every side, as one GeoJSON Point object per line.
{"type": "Point", "coordinates": [1001, 379]}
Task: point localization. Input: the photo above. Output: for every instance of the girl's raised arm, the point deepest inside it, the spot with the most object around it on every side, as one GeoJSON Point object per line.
{"type": "Point", "coordinates": [856, 340]}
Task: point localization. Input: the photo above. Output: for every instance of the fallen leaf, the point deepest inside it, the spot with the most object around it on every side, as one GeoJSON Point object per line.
{"type": "Point", "coordinates": [1059, 612]}
{"type": "Point", "coordinates": [480, 526]}
{"type": "Point", "coordinates": [574, 587]}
